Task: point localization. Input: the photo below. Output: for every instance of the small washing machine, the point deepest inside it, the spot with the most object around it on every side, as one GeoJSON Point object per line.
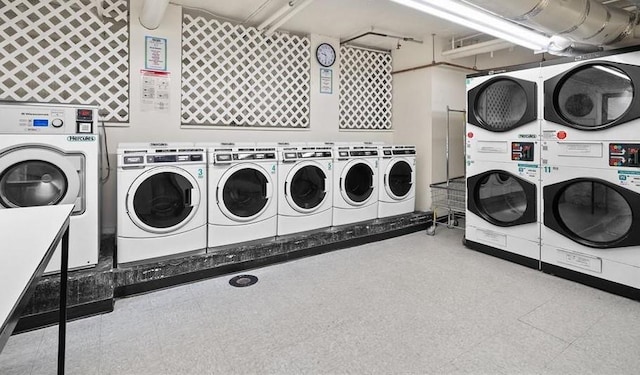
{"type": "Point", "coordinates": [397, 186]}
{"type": "Point", "coordinates": [50, 154]}
{"type": "Point", "coordinates": [305, 187]}
{"type": "Point", "coordinates": [242, 198]}
{"type": "Point", "coordinates": [162, 201]}
{"type": "Point", "coordinates": [355, 183]}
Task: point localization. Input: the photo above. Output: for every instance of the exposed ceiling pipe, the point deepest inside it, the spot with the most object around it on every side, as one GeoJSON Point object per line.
{"type": "Point", "coordinates": [576, 25]}
{"type": "Point", "coordinates": [277, 14]}
{"type": "Point", "coordinates": [152, 13]}
{"type": "Point", "coordinates": [297, 7]}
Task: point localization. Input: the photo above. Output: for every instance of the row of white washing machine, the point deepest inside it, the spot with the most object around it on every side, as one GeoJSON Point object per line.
{"type": "Point", "coordinates": [553, 169]}
{"type": "Point", "coordinates": [175, 198]}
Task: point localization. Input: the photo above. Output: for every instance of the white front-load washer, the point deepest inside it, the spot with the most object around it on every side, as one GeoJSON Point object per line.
{"type": "Point", "coordinates": [242, 199]}
{"type": "Point", "coordinates": [355, 183]}
{"type": "Point", "coordinates": [397, 184]}
{"type": "Point", "coordinates": [50, 154]}
{"type": "Point", "coordinates": [162, 201]}
{"type": "Point", "coordinates": [305, 187]}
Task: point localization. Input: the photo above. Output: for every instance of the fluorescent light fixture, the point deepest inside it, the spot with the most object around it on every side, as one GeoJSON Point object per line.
{"type": "Point", "coordinates": [479, 20]}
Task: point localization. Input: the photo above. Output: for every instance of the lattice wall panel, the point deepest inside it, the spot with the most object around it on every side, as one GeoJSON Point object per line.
{"type": "Point", "coordinates": [62, 52]}
{"type": "Point", "coordinates": [365, 89]}
{"type": "Point", "coordinates": [233, 75]}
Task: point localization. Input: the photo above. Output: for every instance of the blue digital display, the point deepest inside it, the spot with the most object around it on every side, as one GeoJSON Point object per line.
{"type": "Point", "coordinates": [41, 122]}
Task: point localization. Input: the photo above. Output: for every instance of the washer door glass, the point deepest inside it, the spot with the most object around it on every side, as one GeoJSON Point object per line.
{"type": "Point", "coordinates": [594, 96]}
{"type": "Point", "coordinates": [245, 192]}
{"type": "Point", "coordinates": [307, 187]}
{"type": "Point", "coordinates": [399, 179]}
{"type": "Point", "coordinates": [594, 212]}
{"type": "Point", "coordinates": [358, 183]}
{"type": "Point", "coordinates": [501, 197]}
{"type": "Point", "coordinates": [163, 200]}
{"type": "Point", "coordinates": [501, 105]}
{"type": "Point", "coordinates": [32, 183]}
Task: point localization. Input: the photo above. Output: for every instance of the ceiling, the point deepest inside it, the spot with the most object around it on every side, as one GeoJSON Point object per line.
{"type": "Point", "coordinates": [345, 19]}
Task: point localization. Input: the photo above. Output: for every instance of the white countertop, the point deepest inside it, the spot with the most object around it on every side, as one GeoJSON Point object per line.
{"type": "Point", "coordinates": [26, 235]}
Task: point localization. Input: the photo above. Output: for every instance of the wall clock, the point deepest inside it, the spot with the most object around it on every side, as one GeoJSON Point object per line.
{"type": "Point", "coordinates": [325, 54]}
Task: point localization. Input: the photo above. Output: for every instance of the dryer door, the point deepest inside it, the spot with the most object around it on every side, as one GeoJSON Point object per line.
{"type": "Point", "coordinates": [37, 176]}
{"type": "Point", "coordinates": [305, 187]}
{"type": "Point", "coordinates": [593, 212]}
{"type": "Point", "coordinates": [502, 104]}
{"type": "Point", "coordinates": [502, 198]}
{"type": "Point", "coordinates": [244, 192]}
{"type": "Point", "coordinates": [356, 182]}
{"type": "Point", "coordinates": [593, 96]}
{"type": "Point", "coordinates": [163, 199]}
{"type": "Point", "coordinates": [399, 178]}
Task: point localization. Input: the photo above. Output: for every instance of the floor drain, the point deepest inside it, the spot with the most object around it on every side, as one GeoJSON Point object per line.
{"type": "Point", "coordinates": [243, 280]}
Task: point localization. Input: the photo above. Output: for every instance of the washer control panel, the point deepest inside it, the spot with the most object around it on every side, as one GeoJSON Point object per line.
{"type": "Point", "coordinates": [40, 118]}
{"type": "Point", "coordinates": [624, 155]}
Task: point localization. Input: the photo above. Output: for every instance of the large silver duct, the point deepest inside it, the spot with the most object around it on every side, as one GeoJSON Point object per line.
{"type": "Point", "coordinates": [576, 25]}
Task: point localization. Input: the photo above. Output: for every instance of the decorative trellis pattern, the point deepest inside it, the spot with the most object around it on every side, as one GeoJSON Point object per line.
{"type": "Point", "coordinates": [234, 75]}
{"type": "Point", "coordinates": [365, 89]}
{"type": "Point", "coordinates": [62, 52]}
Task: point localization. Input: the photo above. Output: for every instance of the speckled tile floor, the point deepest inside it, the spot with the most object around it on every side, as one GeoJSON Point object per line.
{"type": "Point", "coordinates": [413, 304]}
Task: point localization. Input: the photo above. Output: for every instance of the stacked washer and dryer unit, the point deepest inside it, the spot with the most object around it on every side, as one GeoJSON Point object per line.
{"type": "Point", "coordinates": [503, 151]}
{"type": "Point", "coordinates": [589, 172]}
{"type": "Point", "coordinates": [49, 155]}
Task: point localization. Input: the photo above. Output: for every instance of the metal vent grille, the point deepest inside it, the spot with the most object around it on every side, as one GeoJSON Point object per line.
{"type": "Point", "coordinates": [365, 89]}
{"type": "Point", "coordinates": [503, 105]}
{"type": "Point", "coordinates": [233, 75]}
{"type": "Point", "coordinates": [61, 52]}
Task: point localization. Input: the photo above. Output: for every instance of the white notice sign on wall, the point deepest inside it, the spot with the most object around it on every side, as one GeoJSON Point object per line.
{"type": "Point", "coordinates": [326, 81]}
{"type": "Point", "coordinates": [155, 91]}
{"type": "Point", "coordinates": [155, 53]}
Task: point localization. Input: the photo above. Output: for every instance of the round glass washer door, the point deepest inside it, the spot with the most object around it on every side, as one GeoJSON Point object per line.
{"type": "Point", "coordinates": [594, 96]}
{"type": "Point", "coordinates": [593, 213]}
{"type": "Point", "coordinates": [244, 192]}
{"type": "Point", "coordinates": [502, 104]}
{"type": "Point", "coordinates": [357, 182]}
{"type": "Point", "coordinates": [306, 187]}
{"type": "Point", "coordinates": [399, 179]}
{"type": "Point", "coordinates": [501, 198]}
{"type": "Point", "coordinates": [39, 177]}
{"type": "Point", "coordinates": [163, 199]}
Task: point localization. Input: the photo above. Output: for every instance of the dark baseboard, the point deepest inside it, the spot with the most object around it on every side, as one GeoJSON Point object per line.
{"type": "Point", "coordinates": [49, 318]}
{"type": "Point", "coordinates": [592, 281]}
{"type": "Point", "coordinates": [132, 289]}
{"type": "Point", "coordinates": [506, 255]}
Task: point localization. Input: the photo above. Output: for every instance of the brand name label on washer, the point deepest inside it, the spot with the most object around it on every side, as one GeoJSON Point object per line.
{"type": "Point", "coordinates": [81, 138]}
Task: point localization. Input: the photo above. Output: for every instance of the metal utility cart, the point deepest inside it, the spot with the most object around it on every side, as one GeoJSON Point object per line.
{"type": "Point", "coordinates": [448, 196]}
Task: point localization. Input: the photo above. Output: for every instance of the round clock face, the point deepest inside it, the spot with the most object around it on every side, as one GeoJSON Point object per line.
{"type": "Point", "coordinates": [325, 54]}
